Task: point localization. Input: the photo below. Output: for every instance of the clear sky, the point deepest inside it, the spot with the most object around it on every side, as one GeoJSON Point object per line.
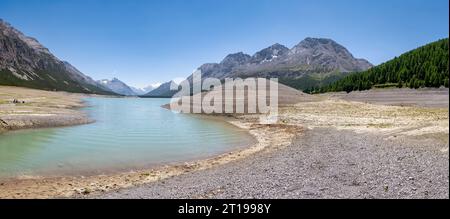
{"type": "Point", "coordinates": [143, 41]}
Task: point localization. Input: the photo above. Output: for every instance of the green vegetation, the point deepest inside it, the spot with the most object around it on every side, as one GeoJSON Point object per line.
{"type": "Point", "coordinates": [427, 66]}
{"type": "Point", "coordinates": [387, 85]}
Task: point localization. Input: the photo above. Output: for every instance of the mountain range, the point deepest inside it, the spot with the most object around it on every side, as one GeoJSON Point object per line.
{"type": "Point", "coordinates": [25, 62]}
{"type": "Point", "coordinates": [311, 62]}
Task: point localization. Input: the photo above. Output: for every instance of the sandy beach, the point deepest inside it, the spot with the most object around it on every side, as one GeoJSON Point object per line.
{"type": "Point", "coordinates": [323, 147]}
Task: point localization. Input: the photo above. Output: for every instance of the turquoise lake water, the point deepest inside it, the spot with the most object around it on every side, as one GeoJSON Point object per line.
{"type": "Point", "coordinates": [129, 133]}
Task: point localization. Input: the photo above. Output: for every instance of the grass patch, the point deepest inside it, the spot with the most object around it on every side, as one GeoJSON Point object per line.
{"type": "Point", "coordinates": [380, 125]}
{"type": "Point", "coordinates": [389, 85]}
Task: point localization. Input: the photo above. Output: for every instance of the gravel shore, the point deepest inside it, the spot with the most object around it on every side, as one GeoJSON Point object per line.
{"type": "Point", "coordinates": [321, 163]}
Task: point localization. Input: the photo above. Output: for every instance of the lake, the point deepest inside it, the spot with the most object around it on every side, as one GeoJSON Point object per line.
{"type": "Point", "coordinates": [129, 133]}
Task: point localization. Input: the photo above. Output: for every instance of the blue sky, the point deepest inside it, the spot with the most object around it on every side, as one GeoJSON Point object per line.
{"type": "Point", "coordinates": [143, 41]}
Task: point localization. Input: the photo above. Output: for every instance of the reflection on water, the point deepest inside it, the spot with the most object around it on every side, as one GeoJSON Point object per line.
{"type": "Point", "coordinates": [128, 133]}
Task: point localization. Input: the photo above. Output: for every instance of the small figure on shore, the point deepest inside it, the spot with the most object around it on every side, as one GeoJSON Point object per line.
{"type": "Point", "coordinates": [17, 101]}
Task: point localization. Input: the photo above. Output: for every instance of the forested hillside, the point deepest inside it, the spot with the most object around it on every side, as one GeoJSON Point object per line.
{"type": "Point", "coordinates": [426, 66]}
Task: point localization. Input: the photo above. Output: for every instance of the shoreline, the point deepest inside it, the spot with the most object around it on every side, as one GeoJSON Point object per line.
{"type": "Point", "coordinates": [42, 109]}
{"type": "Point", "coordinates": [66, 187]}
{"type": "Point", "coordinates": [69, 186]}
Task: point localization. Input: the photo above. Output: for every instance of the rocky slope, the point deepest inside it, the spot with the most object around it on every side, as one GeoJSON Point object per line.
{"type": "Point", "coordinates": [27, 63]}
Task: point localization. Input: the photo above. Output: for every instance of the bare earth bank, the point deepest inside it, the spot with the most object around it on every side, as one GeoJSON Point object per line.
{"type": "Point", "coordinates": [39, 109]}
{"type": "Point", "coordinates": [424, 97]}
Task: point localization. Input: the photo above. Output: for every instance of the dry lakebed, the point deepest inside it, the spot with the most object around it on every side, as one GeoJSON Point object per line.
{"type": "Point", "coordinates": [326, 146]}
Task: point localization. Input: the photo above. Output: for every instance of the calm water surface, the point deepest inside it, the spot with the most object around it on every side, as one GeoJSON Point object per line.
{"type": "Point", "coordinates": [128, 133]}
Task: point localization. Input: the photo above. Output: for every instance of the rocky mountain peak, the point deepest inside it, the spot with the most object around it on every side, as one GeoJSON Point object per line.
{"type": "Point", "coordinates": [236, 59]}
{"type": "Point", "coordinates": [318, 46]}
{"type": "Point", "coordinates": [322, 53]}
{"type": "Point", "coordinates": [315, 41]}
{"type": "Point", "coordinates": [270, 53]}
{"type": "Point", "coordinates": [310, 42]}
